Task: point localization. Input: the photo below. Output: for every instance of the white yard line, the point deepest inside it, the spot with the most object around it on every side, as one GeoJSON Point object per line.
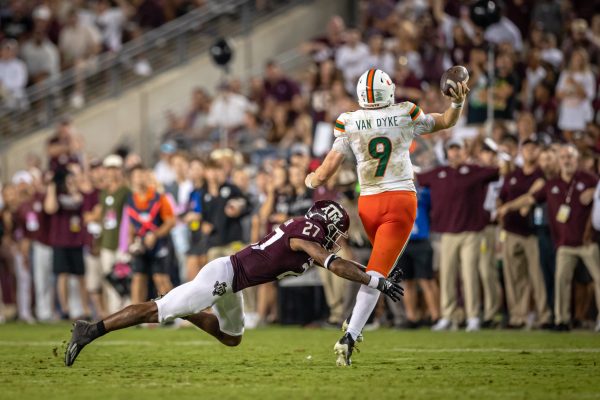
{"type": "Point", "coordinates": [499, 350]}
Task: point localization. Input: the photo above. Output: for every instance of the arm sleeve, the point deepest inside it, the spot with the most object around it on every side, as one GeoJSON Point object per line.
{"type": "Point", "coordinates": [166, 209]}
{"type": "Point", "coordinates": [422, 123]}
{"type": "Point", "coordinates": [341, 143]}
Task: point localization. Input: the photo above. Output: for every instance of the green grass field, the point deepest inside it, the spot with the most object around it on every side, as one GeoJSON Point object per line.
{"type": "Point", "coordinates": [298, 363]}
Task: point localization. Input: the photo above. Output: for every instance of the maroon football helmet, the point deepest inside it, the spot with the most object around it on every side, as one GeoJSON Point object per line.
{"type": "Point", "coordinates": [334, 218]}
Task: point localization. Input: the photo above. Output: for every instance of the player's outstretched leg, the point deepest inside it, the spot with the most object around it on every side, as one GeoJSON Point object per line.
{"type": "Point", "coordinates": [209, 323]}
{"type": "Point", "coordinates": [84, 332]}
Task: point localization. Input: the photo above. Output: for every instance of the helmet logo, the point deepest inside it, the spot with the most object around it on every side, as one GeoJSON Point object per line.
{"type": "Point", "coordinates": [333, 213]}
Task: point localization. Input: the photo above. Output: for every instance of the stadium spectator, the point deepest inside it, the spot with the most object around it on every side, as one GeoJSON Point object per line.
{"type": "Point", "coordinates": [351, 58]}
{"type": "Point", "coordinates": [108, 214]}
{"type": "Point", "coordinates": [180, 190]}
{"type": "Point", "coordinates": [279, 87]}
{"type": "Point", "coordinates": [90, 183]}
{"type": "Point", "coordinates": [196, 255]}
{"type": "Point", "coordinates": [569, 197]}
{"type": "Point", "coordinates": [581, 38]}
{"type": "Point", "coordinates": [520, 252]}
{"type": "Point", "coordinates": [13, 77]}
{"type": "Point", "coordinates": [222, 209]}
{"type": "Point", "coordinates": [576, 89]}
{"type": "Point", "coordinates": [16, 21]}
{"type": "Point", "coordinates": [34, 222]}
{"type": "Point", "coordinates": [65, 146]}
{"type": "Point", "coordinates": [196, 118]}
{"type": "Point", "coordinates": [41, 56]}
{"type": "Point", "coordinates": [163, 170]}
{"type": "Point", "coordinates": [111, 22]}
{"type": "Point", "coordinates": [63, 202]}
{"type": "Point", "coordinates": [150, 14]}
{"type": "Point", "coordinates": [487, 266]}
{"type": "Point", "coordinates": [504, 31]}
{"type": "Point", "coordinates": [151, 219]}
{"type": "Point", "coordinates": [79, 44]}
{"type": "Point", "coordinates": [324, 47]}
{"type": "Point", "coordinates": [227, 111]}
{"type": "Point", "coordinates": [455, 187]}
{"type": "Point", "coordinates": [379, 57]}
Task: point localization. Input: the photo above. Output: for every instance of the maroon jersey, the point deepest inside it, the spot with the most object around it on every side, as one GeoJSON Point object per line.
{"type": "Point", "coordinates": [32, 220]}
{"type": "Point", "coordinates": [556, 194]}
{"type": "Point", "coordinates": [272, 258]}
{"type": "Point", "coordinates": [456, 196]}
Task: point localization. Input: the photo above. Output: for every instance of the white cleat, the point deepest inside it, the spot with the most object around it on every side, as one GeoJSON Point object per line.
{"type": "Point", "coordinates": [597, 329]}
{"type": "Point", "coordinates": [343, 350]}
{"type": "Point", "coordinates": [473, 325]}
{"type": "Point", "coordinates": [442, 325]}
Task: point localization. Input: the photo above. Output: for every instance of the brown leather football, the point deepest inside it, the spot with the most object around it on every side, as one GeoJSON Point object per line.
{"type": "Point", "coordinates": [451, 77]}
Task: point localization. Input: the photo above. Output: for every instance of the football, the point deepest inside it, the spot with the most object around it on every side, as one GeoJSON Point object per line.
{"type": "Point", "coordinates": [451, 77]}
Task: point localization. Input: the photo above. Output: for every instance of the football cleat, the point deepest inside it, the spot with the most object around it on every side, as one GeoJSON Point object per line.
{"type": "Point", "coordinates": [343, 350]}
{"type": "Point", "coordinates": [81, 336]}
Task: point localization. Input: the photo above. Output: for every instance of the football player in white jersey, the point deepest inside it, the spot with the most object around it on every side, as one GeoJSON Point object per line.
{"type": "Point", "coordinates": [379, 135]}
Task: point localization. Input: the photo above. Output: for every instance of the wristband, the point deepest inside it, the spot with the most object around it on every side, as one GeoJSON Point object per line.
{"type": "Point", "coordinates": [374, 282]}
{"type": "Point", "coordinates": [331, 258]}
{"type": "Point", "coordinates": [457, 105]}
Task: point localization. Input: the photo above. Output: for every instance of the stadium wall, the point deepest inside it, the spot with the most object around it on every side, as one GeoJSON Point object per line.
{"type": "Point", "coordinates": [137, 117]}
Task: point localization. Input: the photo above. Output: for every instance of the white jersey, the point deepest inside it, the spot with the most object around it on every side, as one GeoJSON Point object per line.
{"type": "Point", "coordinates": [380, 140]}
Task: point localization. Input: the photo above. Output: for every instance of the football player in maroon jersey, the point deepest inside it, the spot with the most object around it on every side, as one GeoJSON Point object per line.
{"type": "Point", "coordinates": [290, 249]}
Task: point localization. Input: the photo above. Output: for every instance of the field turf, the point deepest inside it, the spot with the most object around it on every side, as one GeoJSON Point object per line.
{"type": "Point", "coordinates": [295, 363]}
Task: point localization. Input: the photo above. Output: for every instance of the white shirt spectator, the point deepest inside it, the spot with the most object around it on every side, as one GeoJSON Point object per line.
{"type": "Point", "coordinates": [13, 79]}
{"type": "Point", "coordinates": [352, 61]}
{"type": "Point", "coordinates": [574, 112]}
{"type": "Point", "coordinates": [504, 31]}
{"type": "Point", "coordinates": [384, 61]}
{"type": "Point", "coordinates": [164, 173]}
{"type": "Point", "coordinates": [41, 57]}
{"type": "Point", "coordinates": [228, 110]}
{"type": "Point", "coordinates": [111, 23]}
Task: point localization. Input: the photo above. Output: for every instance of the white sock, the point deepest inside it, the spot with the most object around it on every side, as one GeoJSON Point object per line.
{"type": "Point", "coordinates": [366, 300]}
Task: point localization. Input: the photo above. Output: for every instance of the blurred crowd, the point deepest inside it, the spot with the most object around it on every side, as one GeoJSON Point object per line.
{"type": "Point", "coordinates": [509, 210]}
{"type": "Point", "coordinates": [41, 38]}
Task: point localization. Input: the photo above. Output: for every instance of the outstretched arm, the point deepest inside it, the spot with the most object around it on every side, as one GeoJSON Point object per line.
{"type": "Point", "coordinates": [346, 269]}
{"type": "Point", "coordinates": [330, 165]}
{"type": "Point", "coordinates": [449, 118]}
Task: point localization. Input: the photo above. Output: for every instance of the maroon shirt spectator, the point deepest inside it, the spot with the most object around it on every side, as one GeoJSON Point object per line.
{"type": "Point", "coordinates": [277, 86]}
{"type": "Point", "coordinates": [66, 225]}
{"type": "Point", "coordinates": [452, 199]}
{"type": "Point", "coordinates": [556, 194]}
{"type": "Point", "coordinates": [32, 219]}
{"type": "Point", "coordinates": [150, 14]}
{"type": "Point", "coordinates": [516, 184]}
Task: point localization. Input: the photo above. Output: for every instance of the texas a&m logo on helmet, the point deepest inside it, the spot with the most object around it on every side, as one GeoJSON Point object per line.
{"type": "Point", "coordinates": [333, 216]}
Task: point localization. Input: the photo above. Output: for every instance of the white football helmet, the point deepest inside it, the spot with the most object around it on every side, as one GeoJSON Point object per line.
{"type": "Point", "coordinates": [375, 89]}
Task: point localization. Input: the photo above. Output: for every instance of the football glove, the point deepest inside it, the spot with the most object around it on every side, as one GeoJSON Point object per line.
{"type": "Point", "coordinates": [390, 288]}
